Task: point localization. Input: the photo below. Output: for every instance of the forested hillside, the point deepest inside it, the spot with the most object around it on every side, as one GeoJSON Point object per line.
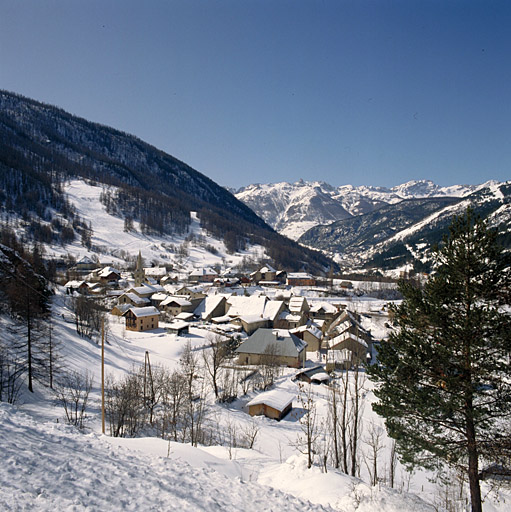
{"type": "Point", "coordinates": [42, 146]}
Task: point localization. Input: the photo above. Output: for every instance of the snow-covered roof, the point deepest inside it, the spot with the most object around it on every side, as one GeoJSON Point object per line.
{"type": "Point", "coordinates": [155, 271]}
{"type": "Point", "coordinates": [309, 328]}
{"type": "Point", "coordinates": [180, 301]}
{"type": "Point", "coordinates": [297, 304]}
{"type": "Point", "coordinates": [159, 296]}
{"type": "Point", "coordinates": [241, 306]}
{"type": "Point", "coordinates": [299, 275]}
{"type": "Point", "coordinates": [343, 337]}
{"type": "Point", "coordinates": [208, 305]}
{"type": "Point", "coordinates": [275, 399]}
{"type": "Point", "coordinates": [136, 299]}
{"type": "Point", "coordinates": [327, 307]}
{"type": "Point", "coordinates": [142, 312]}
{"type": "Point", "coordinates": [279, 341]}
{"type": "Point", "coordinates": [203, 272]}
{"type": "Point", "coordinates": [184, 316]}
{"type": "Point", "coordinates": [272, 309]}
{"type": "Point", "coordinates": [178, 325]}
{"type": "Point", "coordinates": [74, 284]}
{"type": "Point", "coordinates": [105, 272]}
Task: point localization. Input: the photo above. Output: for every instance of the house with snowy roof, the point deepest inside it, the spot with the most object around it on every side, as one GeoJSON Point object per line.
{"type": "Point", "coordinates": [274, 404]}
{"type": "Point", "coordinates": [266, 273]}
{"type": "Point", "coordinates": [278, 346]}
{"type": "Point", "coordinates": [108, 275]}
{"type": "Point", "coordinates": [311, 334]}
{"type": "Point", "coordinates": [203, 275]}
{"type": "Point", "coordinates": [313, 375]}
{"type": "Point", "coordinates": [174, 305]}
{"type": "Point", "coordinates": [133, 300]}
{"type": "Point", "coordinates": [300, 279]}
{"type": "Point", "coordinates": [141, 319]}
{"type": "Point", "coordinates": [322, 310]}
{"type": "Point", "coordinates": [210, 307]}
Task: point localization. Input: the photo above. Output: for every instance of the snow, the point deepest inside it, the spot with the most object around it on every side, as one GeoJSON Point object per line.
{"type": "Point", "coordinates": [49, 467]}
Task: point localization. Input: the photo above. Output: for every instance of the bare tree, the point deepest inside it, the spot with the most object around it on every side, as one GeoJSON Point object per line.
{"type": "Point", "coordinates": [194, 394]}
{"type": "Point", "coordinates": [269, 365]}
{"type": "Point", "coordinates": [308, 423]}
{"type": "Point", "coordinates": [374, 440]}
{"type": "Point", "coordinates": [214, 357]}
{"type": "Point", "coordinates": [72, 393]}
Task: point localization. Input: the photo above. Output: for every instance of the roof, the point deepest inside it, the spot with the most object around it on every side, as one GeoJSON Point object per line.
{"type": "Point", "coordinates": [263, 340]}
{"type": "Point", "coordinates": [299, 275]}
{"type": "Point", "coordinates": [246, 306]}
{"type": "Point", "coordinates": [312, 329]}
{"type": "Point", "coordinates": [180, 301]}
{"type": "Point", "coordinates": [275, 399]}
{"type": "Point", "coordinates": [345, 336]}
{"type": "Point", "coordinates": [133, 297]}
{"type": "Point", "coordinates": [208, 305]}
{"type": "Point", "coordinates": [142, 312]}
{"type": "Point", "coordinates": [314, 373]}
{"type": "Point", "coordinates": [297, 304]}
{"type": "Point", "coordinates": [272, 308]}
{"type": "Point", "coordinates": [177, 325]}
{"type": "Point", "coordinates": [327, 307]}
{"type": "Point", "coordinates": [155, 271]}
{"type": "Point", "coordinates": [204, 272]}
{"type": "Point", "coordinates": [107, 271]}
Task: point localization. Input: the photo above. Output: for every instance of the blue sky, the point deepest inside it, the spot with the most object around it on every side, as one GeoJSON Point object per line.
{"type": "Point", "coordinates": [349, 92]}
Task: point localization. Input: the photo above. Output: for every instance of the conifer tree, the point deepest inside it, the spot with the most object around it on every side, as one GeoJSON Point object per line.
{"type": "Point", "coordinates": [443, 379]}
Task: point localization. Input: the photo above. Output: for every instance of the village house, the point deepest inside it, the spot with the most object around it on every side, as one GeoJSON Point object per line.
{"type": "Point", "coordinates": [277, 346]}
{"type": "Point", "coordinates": [108, 276]}
{"type": "Point", "coordinates": [300, 279]}
{"type": "Point", "coordinates": [273, 404]}
{"type": "Point", "coordinates": [324, 311]}
{"type": "Point", "coordinates": [250, 323]}
{"type": "Point", "coordinates": [133, 300]}
{"type": "Point", "coordinates": [178, 327]}
{"type": "Point", "coordinates": [76, 286]}
{"type": "Point", "coordinates": [355, 348]}
{"type": "Point", "coordinates": [311, 334]}
{"type": "Point", "coordinates": [142, 319]}
{"type": "Point", "coordinates": [203, 275]}
{"type": "Point", "coordinates": [175, 305]}
{"type": "Point", "coordinates": [120, 309]}
{"type": "Point", "coordinates": [210, 307]}
{"type": "Point", "coordinates": [155, 273]}
{"type": "Point", "coordinates": [191, 292]}
{"type": "Point", "coordinates": [314, 375]}
{"type": "Point", "coordinates": [265, 274]}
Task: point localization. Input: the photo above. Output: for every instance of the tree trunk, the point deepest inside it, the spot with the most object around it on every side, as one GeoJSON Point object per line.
{"type": "Point", "coordinates": [473, 470]}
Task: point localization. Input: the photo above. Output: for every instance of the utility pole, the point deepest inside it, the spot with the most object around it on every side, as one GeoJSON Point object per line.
{"type": "Point", "coordinates": [103, 375]}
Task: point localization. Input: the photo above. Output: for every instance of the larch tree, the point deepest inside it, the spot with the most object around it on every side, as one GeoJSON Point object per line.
{"type": "Point", "coordinates": [443, 379]}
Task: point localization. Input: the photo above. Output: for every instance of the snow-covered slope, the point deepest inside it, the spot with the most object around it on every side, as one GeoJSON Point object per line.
{"type": "Point", "coordinates": [293, 208]}
{"type": "Point", "coordinates": [111, 243]}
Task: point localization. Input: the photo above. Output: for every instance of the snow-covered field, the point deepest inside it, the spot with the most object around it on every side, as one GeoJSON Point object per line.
{"type": "Point", "coordinates": [48, 465]}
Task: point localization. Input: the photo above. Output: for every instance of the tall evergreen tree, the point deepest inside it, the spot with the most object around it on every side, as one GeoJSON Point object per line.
{"type": "Point", "coordinates": [443, 380]}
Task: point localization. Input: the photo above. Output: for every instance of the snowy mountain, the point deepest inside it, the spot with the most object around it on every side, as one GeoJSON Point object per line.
{"type": "Point", "coordinates": [404, 232]}
{"type": "Point", "coordinates": [293, 208]}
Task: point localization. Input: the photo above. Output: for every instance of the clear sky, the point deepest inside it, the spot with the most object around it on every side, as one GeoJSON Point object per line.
{"type": "Point", "coordinates": [349, 92]}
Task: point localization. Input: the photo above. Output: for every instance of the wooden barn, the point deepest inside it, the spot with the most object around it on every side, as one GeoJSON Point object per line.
{"type": "Point", "coordinates": [273, 404]}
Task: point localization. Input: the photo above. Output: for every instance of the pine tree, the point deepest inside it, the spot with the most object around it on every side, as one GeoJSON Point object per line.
{"type": "Point", "coordinates": [443, 379]}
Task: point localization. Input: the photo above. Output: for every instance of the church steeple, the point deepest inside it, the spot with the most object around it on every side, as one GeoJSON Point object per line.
{"type": "Point", "coordinates": [139, 273]}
